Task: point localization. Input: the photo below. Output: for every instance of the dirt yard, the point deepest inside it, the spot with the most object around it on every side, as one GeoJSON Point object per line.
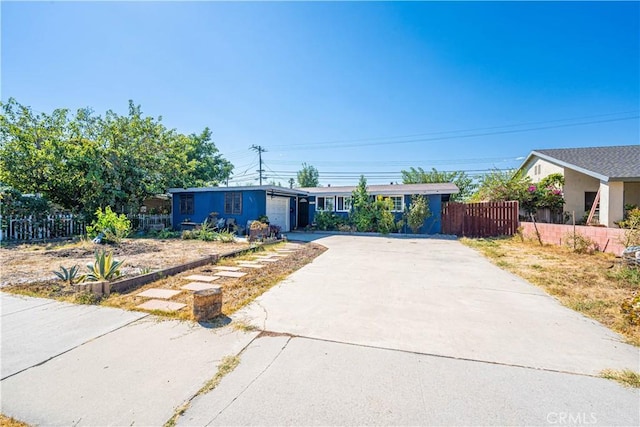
{"type": "Point", "coordinates": [25, 264]}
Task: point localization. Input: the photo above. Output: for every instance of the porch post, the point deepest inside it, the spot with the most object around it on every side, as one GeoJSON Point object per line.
{"type": "Point", "coordinates": [611, 202]}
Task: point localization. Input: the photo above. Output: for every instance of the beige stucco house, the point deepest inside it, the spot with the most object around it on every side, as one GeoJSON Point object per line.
{"type": "Point", "coordinates": [614, 172]}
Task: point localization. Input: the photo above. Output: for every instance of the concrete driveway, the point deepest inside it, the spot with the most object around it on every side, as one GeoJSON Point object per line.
{"type": "Point", "coordinates": [435, 297]}
{"type": "Point", "coordinates": [390, 331]}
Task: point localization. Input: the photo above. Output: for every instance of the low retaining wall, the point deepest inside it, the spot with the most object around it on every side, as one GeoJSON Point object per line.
{"type": "Point", "coordinates": [608, 239]}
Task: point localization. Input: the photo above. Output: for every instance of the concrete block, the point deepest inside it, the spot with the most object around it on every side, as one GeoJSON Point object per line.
{"type": "Point", "coordinates": [158, 293]}
{"type": "Point", "coordinates": [207, 304]}
{"type": "Point", "coordinates": [235, 274]}
{"type": "Point", "coordinates": [201, 278]}
{"type": "Point", "coordinates": [198, 286]}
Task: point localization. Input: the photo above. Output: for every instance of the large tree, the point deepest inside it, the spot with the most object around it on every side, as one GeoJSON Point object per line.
{"type": "Point", "coordinates": [460, 179]}
{"type": "Point", "coordinates": [502, 185]}
{"type": "Point", "coordinates": [308, 176]}
{"type": "Point", "coordinates": [85, 161]}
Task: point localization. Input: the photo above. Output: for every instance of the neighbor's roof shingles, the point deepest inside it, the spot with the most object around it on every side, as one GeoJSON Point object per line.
{"type": "Point", "coordinates": [611, 162]}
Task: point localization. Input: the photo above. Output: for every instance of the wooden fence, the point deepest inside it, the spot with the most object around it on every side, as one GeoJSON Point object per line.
{"type": "Point", "coordinates": [486, 219]}
{"type": "Point", "coordinates": [47, 227]}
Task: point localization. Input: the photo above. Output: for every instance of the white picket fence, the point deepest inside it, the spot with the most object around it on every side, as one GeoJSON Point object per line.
{"type": "Point", "coordinates": [38, 228]}
{"type": "Point", "coordinates": [148, 222]}
{"type": "Point", "coordinates": [32, 227]}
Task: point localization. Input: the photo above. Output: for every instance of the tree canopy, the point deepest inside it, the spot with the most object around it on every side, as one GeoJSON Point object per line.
{"type": "Point", "coordinates": [308, 176]}
{"type": "Point", "coordinates": [83, 161]}
{"type": "Point", "coordinates": [460, 179]}
{"type": "Point", "coordinates": [501, 185]}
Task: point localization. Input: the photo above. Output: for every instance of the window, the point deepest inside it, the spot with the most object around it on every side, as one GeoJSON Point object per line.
{"type": "Point", "coordinates": [398, 203]}
{"type": "Point", "coordinates": [589, 199]}
{"type": "Point", "coordinates": [343, 204]}
{"type": "Point", "coordinates": [325, 203]}
{"type": "Point", "coordinates": [186, 204]}
{"type": "Point", "coordinates": [233, 203]}
{"type": "Point", "coordinates": [537, 169]}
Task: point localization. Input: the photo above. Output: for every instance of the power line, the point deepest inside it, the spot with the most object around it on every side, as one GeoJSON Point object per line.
{"type": "Point", "coordinates": [338, 142]}
{"type": "Point", "coordinates": [442, 138]}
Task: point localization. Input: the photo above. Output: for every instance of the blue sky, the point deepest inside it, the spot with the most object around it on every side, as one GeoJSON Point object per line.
{"type": "Point", "coordinates": [347, 87]}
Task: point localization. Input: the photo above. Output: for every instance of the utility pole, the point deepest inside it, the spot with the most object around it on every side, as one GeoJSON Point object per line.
{"type": "Point", "coordinates": [258, 149]}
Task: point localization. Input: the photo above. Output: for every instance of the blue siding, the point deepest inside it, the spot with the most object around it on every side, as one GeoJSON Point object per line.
{"type": "Point", "coordinates": [205, 202]}
{"type": "Point", "coordinates": [432, 224]}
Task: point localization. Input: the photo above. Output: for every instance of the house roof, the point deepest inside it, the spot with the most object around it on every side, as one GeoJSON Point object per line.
{"type": "Point", "coordinates": [616, 163]}
{"type": "Point", "coordinates": [387, 190]}
{"type": "Point", "coordinates": [271, 189]}
{"type": "Point", "coordinates": [384, 190]}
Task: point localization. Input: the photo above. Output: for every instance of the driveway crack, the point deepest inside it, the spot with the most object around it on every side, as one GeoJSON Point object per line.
{"type": "Point", "coordinates": [251, 382]}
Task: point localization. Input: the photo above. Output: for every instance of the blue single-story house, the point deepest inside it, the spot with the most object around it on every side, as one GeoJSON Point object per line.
{"type": "Point", "coordinates": [295, 208]}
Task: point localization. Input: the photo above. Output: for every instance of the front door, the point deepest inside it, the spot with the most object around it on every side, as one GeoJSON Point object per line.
{"type": "Point", "coordinates": [303, 212]}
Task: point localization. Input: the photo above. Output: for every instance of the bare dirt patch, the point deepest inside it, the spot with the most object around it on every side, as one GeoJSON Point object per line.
{"type": "Point", "coordinates": [33, 264]}
{"type": "Point", "coordinates": [595, 285]}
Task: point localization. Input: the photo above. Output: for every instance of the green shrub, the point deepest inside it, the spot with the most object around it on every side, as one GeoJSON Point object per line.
{"type": "Point", "coordinates": [226, 237]}
{"type": "Point", "coordinates": [580, 244]}
{"type": "Point", "coordinates": [417, 213]}
{"type": "Point", "coordinates": [630, 310]}
{"type": "Point", "coordinates": [114, 227]}
{"type": "Point", "coordinates": [326, 220]}
{"type": "Point", "coordinates": [104, 267]}
{"type": "Point", "coordinates": [631, 224]}
{"type": "Point", "coordinates": [189, 235]}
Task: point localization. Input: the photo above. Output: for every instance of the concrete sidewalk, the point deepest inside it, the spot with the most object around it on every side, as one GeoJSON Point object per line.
{"type": "Point", "coordinates": [88, 365]}
{"type": "Point", "coordinates": [298, 381]}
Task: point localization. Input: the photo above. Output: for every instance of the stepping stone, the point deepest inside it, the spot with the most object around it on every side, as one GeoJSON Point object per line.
{"type": "Point", "coordinates": [235, 274]}
{"type": "Point", "coordinates": [267, 259]}
{"type": "Point", "coordinates": [198, 286]}
{"type": "Point", "coordinates": [251, 265]}
{"type": "Point", "coordinates": [225, 268]}
{"type": "Point", "coordinates": [201, 278]}
{"type": "Point", "coordinates": [158, 293]}
{"type": "Point", "coordinates": [278, 255]}
{"type": "Point", "coordinates": [156, 304]}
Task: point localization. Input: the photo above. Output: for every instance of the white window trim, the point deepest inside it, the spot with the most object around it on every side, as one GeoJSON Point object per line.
{"type": "Point", "coordinates": [343, 203]}
{"type": "Point", "coordinates": [401, 202]}
{"type": "Point", "coordinates": [325, 203]}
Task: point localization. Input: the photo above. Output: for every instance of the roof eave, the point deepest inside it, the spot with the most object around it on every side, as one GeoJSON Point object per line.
{"type": "Point", "coordinates": [568, 165]}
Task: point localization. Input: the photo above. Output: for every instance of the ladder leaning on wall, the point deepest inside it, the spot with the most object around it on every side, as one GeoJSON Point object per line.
{"type": "Point", "coordinates": [594, 207]}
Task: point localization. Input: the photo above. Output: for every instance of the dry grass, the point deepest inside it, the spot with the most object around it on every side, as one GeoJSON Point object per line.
{"type": "Point", "coordinates": [236, 292]}
{"type": "Point", "coordinates": [11, 422]}
{"type": "Point", "coordinates": [595, 285]}
{"type": "Point", "coordinates": [626, 377]}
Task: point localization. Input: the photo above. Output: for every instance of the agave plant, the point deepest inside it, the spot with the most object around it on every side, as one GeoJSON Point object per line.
{"type": "Point", "coordinates": [104, 267]}
{"type": "Point", "coordinates": [69, 275]}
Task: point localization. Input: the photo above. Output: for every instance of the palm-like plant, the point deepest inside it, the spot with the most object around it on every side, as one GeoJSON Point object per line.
{"type": "Point", "coordinates": [104, 267]}
{"type": "Point", "coordinates": [69, 275]}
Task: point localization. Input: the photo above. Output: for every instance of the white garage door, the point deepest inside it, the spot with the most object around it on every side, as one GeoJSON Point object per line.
{"type": "Point", "coordinates": [278, 211]}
